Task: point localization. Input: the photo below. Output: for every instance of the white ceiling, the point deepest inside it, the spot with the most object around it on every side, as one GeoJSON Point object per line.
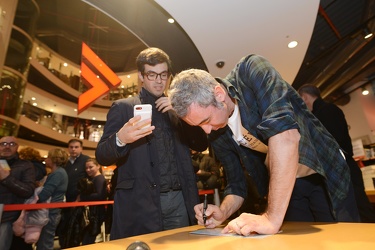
{"type": "Point", "coordinates": [225, 30]}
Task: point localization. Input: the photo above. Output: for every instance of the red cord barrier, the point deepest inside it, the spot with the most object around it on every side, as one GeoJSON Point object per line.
{"type": "Point", "coordinates": [16, 207]}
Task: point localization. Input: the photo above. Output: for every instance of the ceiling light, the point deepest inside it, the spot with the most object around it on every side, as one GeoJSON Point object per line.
{"type": "Point", "coordinates": [365, 91]}
{"type": "Point", "coordinates": [367, 33]}
{"type": "Point", "coordinates": [170, 20]}
{"type": "Point", "coordinates": [292, 44]}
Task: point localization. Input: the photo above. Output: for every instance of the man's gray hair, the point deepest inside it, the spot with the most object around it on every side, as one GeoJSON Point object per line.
{"type": "Point", "coordinates": [192, 86]}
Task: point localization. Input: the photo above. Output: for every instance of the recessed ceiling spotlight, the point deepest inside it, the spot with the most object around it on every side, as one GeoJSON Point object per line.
{"type": "Point", "coordinates": [292, 44]}
{"type": "Point", "coordinates": [170, 20]}
{"type": "Point", "coordinates": [65, 65]}
{"type": "Point", "coordinates": [365, 91]}
{"type": "Point", "coordinates": [75, 110]}
{"type": "Point", "coordinates": [33, 98]}
{"type": "Point", "coordinates": [367, 33]}
{"type": "Point", "coordinates": [128, 76]}
{"type": "Point", "coordinates": [35, 104]}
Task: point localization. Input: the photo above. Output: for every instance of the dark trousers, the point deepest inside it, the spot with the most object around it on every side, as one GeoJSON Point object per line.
{"type": "Point", "coordinates": [365, 208]}
{"type": "Point", "coordinates": [310, 202]}
{"type": "Point", "coordinates": [173, 210]}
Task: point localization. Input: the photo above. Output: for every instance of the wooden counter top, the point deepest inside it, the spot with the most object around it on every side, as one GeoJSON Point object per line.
{"type": "Point", "coordinates": [294, 235]}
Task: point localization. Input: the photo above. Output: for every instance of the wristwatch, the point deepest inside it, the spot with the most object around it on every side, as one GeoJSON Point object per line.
{"type": "Point", "coordinates": [119, 142]}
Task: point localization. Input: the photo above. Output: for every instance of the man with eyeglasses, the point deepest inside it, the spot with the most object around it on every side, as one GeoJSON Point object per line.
{"type": "Point", "coordinates": [16, 185]}
{"type": "Point", "coordinates": [156, 186]}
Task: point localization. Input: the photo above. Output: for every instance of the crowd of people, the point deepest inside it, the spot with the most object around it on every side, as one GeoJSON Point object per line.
{"type": "Point", "coordinates": [61, 177]}
{"type": "Point", "coordinates": [268, 142]}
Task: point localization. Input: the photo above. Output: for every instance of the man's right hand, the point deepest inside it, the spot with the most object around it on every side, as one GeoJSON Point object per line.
{"type": "Point", "coordinates": [4, 173]}
{"type": "Point", "coordinates": [215, 217]}
{"type": "Point", "coordinates": [134, 130]}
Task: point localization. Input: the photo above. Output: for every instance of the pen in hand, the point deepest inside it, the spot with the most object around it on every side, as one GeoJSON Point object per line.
{"type": "Point", "coordinates": [204, 209]}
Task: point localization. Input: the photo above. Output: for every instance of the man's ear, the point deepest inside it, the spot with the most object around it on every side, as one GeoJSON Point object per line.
{"type": "Point", "coordinates": [140, 76]}
{"type": "Point", "coordinates": [219, 93]}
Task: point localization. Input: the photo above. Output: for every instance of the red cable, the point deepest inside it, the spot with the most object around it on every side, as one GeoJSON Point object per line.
{"type": "Point", "coordinates": [16, 207]}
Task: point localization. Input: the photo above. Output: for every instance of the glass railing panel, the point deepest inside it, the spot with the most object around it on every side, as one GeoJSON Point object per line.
{"type": "Point", "coordinates": [12, 87]}
{"type": "Point", "coordinates": [80, 128]}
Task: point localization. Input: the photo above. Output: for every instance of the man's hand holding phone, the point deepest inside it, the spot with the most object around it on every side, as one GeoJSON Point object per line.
{"type": "Point", "coordinates": [137, 127]}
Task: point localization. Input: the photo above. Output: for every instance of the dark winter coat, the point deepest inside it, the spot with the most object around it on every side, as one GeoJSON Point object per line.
{"type": "Point", "coordinates": [137, 208]}
{"type": "Point", "coordinates": [17, 187]}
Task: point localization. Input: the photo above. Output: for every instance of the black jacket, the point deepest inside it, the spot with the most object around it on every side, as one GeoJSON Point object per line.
{"type": "Point", "coordinates": [333, 119]}
{"type": "Point", "coordinates": [18, 186]}
{"type": "Point", "coordinates": [75, 171]}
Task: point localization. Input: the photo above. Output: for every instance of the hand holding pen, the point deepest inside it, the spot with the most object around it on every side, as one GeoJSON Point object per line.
{"type": "Point", "coordinates": [204, 209]}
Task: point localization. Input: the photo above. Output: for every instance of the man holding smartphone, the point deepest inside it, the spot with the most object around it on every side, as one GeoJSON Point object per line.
{"type": "Point", "coordinates": [156, 186]}
{"type": "Point", "coordinates": [16, 185]}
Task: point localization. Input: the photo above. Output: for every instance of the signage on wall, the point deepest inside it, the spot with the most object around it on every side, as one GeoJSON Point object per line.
{"type": "Point", "coordinates": [97, 76]}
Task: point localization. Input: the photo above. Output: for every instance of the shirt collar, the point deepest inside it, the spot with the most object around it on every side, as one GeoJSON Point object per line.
{"type": "Point", "coordinates": [232, 91]}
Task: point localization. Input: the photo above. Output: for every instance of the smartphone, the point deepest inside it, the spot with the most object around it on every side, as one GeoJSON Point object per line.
{"type": "Point", "coordinates": [4, 164]}
{"type": "Point", "coordinates": [144, 110]}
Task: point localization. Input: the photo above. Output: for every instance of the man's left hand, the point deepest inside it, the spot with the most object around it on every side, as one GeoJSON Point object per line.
{"type": "Point", "coordinates": [163, 104]}
{"type": "Point", "coordinates": [248, 223]}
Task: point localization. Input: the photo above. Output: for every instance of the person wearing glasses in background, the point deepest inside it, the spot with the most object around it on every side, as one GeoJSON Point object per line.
{"type": "Point", "coordinates": [156, 187]}
{"type": "Point", "coordinates": [17, 183]}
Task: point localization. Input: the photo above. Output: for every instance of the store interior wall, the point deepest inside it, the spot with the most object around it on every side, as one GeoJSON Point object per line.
{"type": "Point", "coordinates": [360, 127]}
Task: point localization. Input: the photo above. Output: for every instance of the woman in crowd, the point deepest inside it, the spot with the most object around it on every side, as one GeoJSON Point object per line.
{"type": "Point", "coordinates": [97, 193]}
{"type": "Point", "coordinates": [55, 187]}
{"type": "Point", "coordinates": [33, 155]}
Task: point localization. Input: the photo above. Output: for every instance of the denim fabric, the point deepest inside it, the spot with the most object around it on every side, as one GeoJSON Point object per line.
{"type": "Point", "coordinates": [268, 106]}
{"type": "Point", "coordinates": [6, 235]}
{"type": "Point", "coordinates": [46, 239]}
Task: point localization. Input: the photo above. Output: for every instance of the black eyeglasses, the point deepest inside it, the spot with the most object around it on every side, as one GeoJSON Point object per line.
{"type": "Point", "coordinates": [10, 144]}
{"type": "Point", "coordinates": [152, 76]}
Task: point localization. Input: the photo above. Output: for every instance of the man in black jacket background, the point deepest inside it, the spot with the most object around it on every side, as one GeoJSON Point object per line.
{"type": "Point", "coordinates": [334, 121]}
{"type": "Point", "coordinates": [16, 185]}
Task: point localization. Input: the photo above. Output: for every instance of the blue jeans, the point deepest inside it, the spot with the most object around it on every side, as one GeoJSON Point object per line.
{"type": "Point", "coordinates": [6, 235]}
{"type": "Point", "coordinates": [47, 236]}
{"type": "Point", "coordinates": [173, 209]}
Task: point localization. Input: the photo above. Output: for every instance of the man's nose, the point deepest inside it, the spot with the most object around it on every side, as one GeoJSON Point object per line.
{"type": "Point", "coordinates": [158, 79]}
